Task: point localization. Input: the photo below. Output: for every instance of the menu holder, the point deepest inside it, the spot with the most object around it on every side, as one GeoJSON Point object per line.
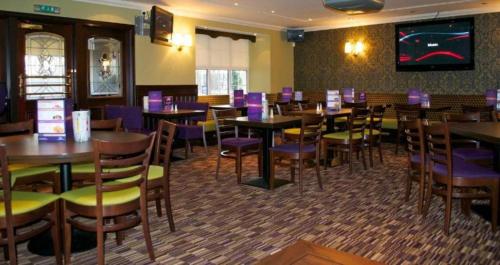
{"type": "Point", "coordinates": [491, 97]}
{"type": "Point", "coordinates": [168, 103]}
{"type": "Point", "coordinates": [414, 96]}
{"type": "Point", "coordinates": [362, 96]}
{"type": "Point", "coordinates": [425, 100]}
{"type": "Point", "coordinates": [333, 102]}
{"type": "Point", "coordinates": [239, 98]}
{"type": "Point", "coordinates": [81, 125]}
{"type": "Point", "coordinates": [286, 94]}
{"type": "Point", "coordinates": [155, 100]}
{"type": "Point", "coordinates": [349, 95]}
{"type": "Point", "coordinates": [298, 96]}
{"type": "Point", "coordinates": [145, 103]}
{"type": "Point", "coordinates": [254, 103]}
{"type": "Point", "coordinates": [51, 120]}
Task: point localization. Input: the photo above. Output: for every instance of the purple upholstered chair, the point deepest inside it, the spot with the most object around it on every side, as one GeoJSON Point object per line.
{"type": "Point", "coordinates": [131, 117]}
{"type": "Point", "coordinates": [462, 147]}
{"type": "Point", "coordinates": [234, 147]}
{"type": "Point", "coordinates": [190, 130]}
{"type": "Point", "coordinates": [453, 178]}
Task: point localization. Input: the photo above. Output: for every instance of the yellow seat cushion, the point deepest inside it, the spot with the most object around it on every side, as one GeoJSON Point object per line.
{"type": "Point", "coordinates": [390, 123]}
{"type": "Point", "coordinates": [209, 125]}
{"type": "Point", "coordinates": [374, 132]}
{"type": "Point", "coordinates": [87, 196]}
{"type": "Point", "coordinates": [87, 168]}
{"type": "Point", "coordinates": [155, 172]}
{"type": "Point", "coordinates": [341, 119]}
{"type": "Point", "coordinates": [342, 136]}
{"type": "Point", "coordinates": [296, 131]}
{"type": "Point", "coordinates": [25, 202]}
{"type": "Point", "coordinates": [18, 172]}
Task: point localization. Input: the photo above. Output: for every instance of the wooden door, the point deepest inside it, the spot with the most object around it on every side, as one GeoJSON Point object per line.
{"type": "Point", "coordinates": [44, 63]}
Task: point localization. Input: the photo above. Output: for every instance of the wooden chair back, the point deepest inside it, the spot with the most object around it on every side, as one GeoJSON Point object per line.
{"type": "Point", "coordinates": [410, 112]}
{"type": "Point", "coordinates": [310, 130]}
{"type": "Point", "coordinates": [415, 140]}
{"type": "Point", "coordinates": [221, 128]}
{"type": "Point", "coordinates": [116, 160]}
{"type": "Point", "coordinates": [376, 118]}
{"type": "Point", "coordinates": [285, 109]}
{"type": "Point", "coordinates": [6, 194]}
{"type": "Point", "coordinates": [439, 146]}
{"type": "Point", "coordinates": [17, 128]}
{"type": "Point", "coordinates": [465, 117]}
{"type": "Point", "coordinates": [358, 105]}
{"type": "Point", "coordinates": [357, 122]}
{"type": "Point", "coordinates": [163, 143]}
{"type": "Point", "coordinates": [487, 113]}
{"type": "Point", "coordinates": [106, 125]}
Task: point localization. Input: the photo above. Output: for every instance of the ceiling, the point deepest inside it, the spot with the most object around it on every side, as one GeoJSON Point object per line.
{"type": "Point", "coordinates": [308, 14]}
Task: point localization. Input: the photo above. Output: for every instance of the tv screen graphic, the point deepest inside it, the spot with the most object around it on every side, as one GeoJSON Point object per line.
{"type": "Point", "coordinates": [435, 45]}
{"type": "Point", "coordinates": [162, 25]}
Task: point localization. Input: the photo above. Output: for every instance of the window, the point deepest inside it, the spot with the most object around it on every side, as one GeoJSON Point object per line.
{"type": "Point", "coordinates": [221, 65]}
{"type": "Point", "coordinates": [105, 67]}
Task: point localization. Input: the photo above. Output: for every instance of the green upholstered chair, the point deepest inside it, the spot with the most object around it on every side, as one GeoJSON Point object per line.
{"type": "Point", "coordinates": [26, 174]}
{"type": "Point", "coordinates": [20, 210]}
{"type": "Point", "coordinates": [350, 141]}
{"type": "Point", "coordinates": [109, 198]}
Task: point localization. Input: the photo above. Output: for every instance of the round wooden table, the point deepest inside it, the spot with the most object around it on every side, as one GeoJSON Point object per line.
{"type": "Point", "coordinates": [27, 148]}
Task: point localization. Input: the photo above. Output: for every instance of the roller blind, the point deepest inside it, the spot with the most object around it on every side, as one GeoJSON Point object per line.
{"type": "Point", "coordinates": [221, 53]}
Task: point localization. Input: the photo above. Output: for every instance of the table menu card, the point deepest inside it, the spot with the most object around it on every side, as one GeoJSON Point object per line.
{"type": "Point", "coordinates": [349, 95]}
{"type": "Point", "coordinates": [333, 101]}
{"type": "Point", "coordinates": [239, 98]}
{"type": "Point", "coordinates": [425, 100]}
{"type": "Point", "coordinates": [168, 103]}
{"type": "Point", "coordinates": [81, 125]}
{"type": "Point", "coordinates": [362, 96]}
{"type": "Point", "coordinates": [254, 104]}
{"type": "Point", "coordinates": [154, 98]}
{"type": "Point", "coordinates": [51, 121]}
{"type": "Point", "coordinates": [491, 97]}
{"type": "Point", "coordinates": [286, 94]}
{"type": "Point", "coordinates": [413, 96]}
{"type": "Point", "coordinates": [298, 96]}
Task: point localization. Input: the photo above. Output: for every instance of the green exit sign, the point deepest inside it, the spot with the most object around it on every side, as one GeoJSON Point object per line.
{"type": "Point", "coordinates": [47, 9]}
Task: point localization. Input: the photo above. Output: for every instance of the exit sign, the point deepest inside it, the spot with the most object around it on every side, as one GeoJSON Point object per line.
{"type": "Point", "coordinates": [47, 9]}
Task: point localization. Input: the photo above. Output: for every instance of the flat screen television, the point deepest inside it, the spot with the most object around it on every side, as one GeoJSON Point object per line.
{"type": "Point", "coordinates": [435, 45]}
{"type": "Point", "coordinates": [162, 25]}
{"type": "Point", "coordinates": [295, 35]}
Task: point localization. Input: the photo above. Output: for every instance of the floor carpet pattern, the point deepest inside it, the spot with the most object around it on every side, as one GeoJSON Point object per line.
{"type": "Point", "coordinates": [219, 222]}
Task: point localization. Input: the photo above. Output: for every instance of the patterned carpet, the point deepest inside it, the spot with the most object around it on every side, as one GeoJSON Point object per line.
{"type": "Point", "coordinates": [364, 213]}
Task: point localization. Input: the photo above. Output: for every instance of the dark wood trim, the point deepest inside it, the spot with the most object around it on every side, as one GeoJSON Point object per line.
{"type": "Point", "coordinates": [11, 65]}
{"type": "Point", "coordinates": [234, 36]}
{"type": "Point", "coordinates": [179, 92]}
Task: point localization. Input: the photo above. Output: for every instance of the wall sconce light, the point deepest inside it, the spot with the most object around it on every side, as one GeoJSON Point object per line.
{"type": "Point", "coordinates": [354, 48]}
{"type": "Point", "coordinates": [181, 40]}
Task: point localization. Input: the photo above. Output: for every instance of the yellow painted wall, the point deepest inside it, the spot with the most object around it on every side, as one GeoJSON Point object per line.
{"type": "Point", "coordinates": [271, 57]}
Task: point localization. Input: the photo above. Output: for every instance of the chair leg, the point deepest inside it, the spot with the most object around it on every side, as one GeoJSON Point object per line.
{"type": "Point", "coordinates": [370, 153]}
{"type": "Point", "coordinates": [381, 157]}
{"type": "Point", "coordinates": [292, 173]}
{"type": "Point", "coordinates": [325, 154]}
{"type": "Point", "coordinates": [408, 185]}
{"type": "Point", "coordinates": [168, 203]}
{"type": "Point", "coordinates": [11, 233]}
{"type": "Point", "coordinates": [494, 206]}
{"type": "Point", "coordinates": [187, 149]}
{"type": "Point", "coordinates": [421, 192]}
{"type": "Point", "coordinates": [238, 165]}
{"type": "Point", "coordinates": [259, 161]}
{"type": "Point", "coordinates": [271, 177]}
{"type": "Point", "coordinates": [56, 232]}
{"type": "Point", "coordinates": [428, 197]}
{"type": "Point", "coordinates": [363, 157]}
{"type": "Point", "coordinates": [145, 226]}
{"type": "Point", "coordinates": [217, 167]}
{"type": "Point", "coordinates": [120, 235]}
{"type": "Point", "coordinates": [447, 215]}
{"type": "Point", "coordinates": [100, 241]}
{"type": "Point", "coordinates": [398, 139]}
{"type": "Point", "coordinates": [318, 174]}
{"type": "Point", "coordinates": [301, 173]}
{"type": "Point", "coordinates": [67, 235]}
{"type": "Point", "coordinates": [350, 159]}
{"type": "Point", "coordinates": [157, 192]}
{"type": "Point", "coordinates": [205, 143]}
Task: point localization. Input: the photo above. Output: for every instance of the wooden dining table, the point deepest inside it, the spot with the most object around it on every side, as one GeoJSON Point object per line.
{"type": "Point", "coordinates": [27, 148]}
{"type": "Point", "coordinates": [151, 117]}
{"type": "Point", "coordinates": [266, 126]}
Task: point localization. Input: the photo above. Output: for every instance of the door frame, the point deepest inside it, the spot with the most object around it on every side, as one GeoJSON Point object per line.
{"type": "Point", "coordinates": [12, 73]}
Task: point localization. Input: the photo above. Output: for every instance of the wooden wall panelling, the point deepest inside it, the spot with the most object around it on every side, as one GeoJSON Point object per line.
{"type": "Point", "coordinates": [188, 93]}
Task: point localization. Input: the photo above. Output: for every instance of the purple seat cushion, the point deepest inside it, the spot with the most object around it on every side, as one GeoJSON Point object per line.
{"type": "Point", "coordinates": [189, 132]}
{"type": "Point", "coordinates": [473, 153]}
{"type": "Point", "coordinates": [294, 148]}
{"type": "Point", "coordinates": [463, 169]}
{"type": "Point", "coordinates": [415, 158]}
{"type": "Point", "coordinates": [240, 142]}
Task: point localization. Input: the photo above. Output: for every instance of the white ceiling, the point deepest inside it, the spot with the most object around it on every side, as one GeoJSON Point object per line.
{"type": "Point", "coordinates": [308, 14]}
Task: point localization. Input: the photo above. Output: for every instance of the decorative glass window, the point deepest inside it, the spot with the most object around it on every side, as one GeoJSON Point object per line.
{"type": "Point", "coordinates": [105, 67]}
{"type": "Point", "coordinates": [44, 66]}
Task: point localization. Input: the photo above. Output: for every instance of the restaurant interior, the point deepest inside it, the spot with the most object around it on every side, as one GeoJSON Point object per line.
{"type": "Point", "coordinates": [249, 132]}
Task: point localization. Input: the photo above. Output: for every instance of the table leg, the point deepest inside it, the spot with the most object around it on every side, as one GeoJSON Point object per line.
{"type": "Point", "coordinates": [484, 210]}
{"type": "Point", "coordinates": [81, 240]}
{"type": "Point", "coordinates": [267, 141]}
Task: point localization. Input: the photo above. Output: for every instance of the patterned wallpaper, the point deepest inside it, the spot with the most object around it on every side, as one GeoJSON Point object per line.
{"type": "Point", "coordinates": [320, 62]}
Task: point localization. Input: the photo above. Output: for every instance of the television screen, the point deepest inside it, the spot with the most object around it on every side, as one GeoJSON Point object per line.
{"type": "Point", "coordinates": [435, 45]}
{"type": "Point", "coordinates": [162, 25]}
{"type": "Point", "coordinates": [295, 35]}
